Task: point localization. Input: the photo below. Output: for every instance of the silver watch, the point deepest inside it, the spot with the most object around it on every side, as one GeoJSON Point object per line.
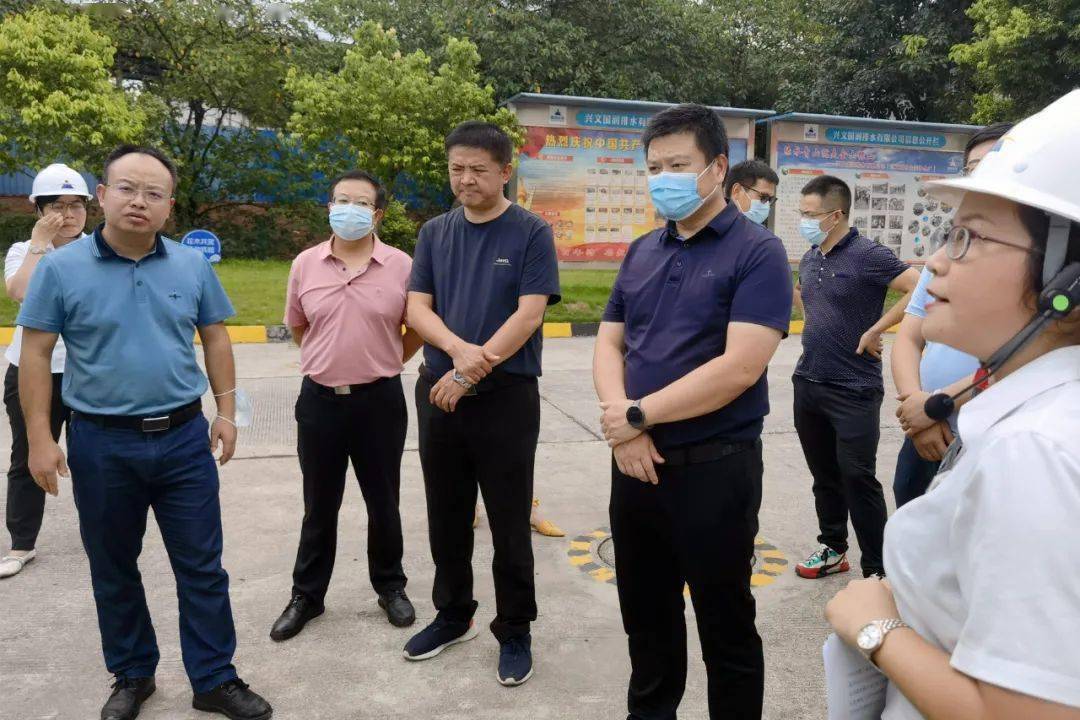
{"type": "Point", "coordinates": [873, 635]}
{"type": "Point", "coordinates": [461, 380]}
{"type": "Point", "coordinates": [39, 251]}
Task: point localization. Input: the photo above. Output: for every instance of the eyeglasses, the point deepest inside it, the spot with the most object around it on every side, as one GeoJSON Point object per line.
{"type": "Point", "coordinates": [342, 201]}
{"type": "Point", "coordinates": [768, 199]}
{"type": "Point", "coordinates": [958, 242]}
{"type": "Point", "coordinates": [67, 207]}
{"type": "Point", "coordinates": [128, 192]}
{"type": "Point", "coordinates": [810, 215]}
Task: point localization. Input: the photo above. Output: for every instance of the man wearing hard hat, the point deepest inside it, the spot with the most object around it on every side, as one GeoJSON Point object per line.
{"type": "Point", "coordinates": [981, 614]}
{"type": "Point", "coordinates": [60, 195]}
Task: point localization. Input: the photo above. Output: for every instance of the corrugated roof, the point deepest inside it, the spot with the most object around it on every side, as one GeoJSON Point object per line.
{"type": "Point", "coordinates": [613, 104]}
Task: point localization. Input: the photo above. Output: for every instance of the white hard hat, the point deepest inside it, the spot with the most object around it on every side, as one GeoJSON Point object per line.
{"type": "Point", "coordinates": [58, 179]}
{"type": "Point", "coordinates": [1034, 164]}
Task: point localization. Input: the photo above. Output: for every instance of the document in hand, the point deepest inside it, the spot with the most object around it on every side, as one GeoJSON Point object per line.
{"type": "Point", "coordinates": [855, 689]}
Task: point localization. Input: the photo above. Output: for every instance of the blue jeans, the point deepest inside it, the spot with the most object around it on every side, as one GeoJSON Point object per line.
{"type": "Point", "coordinates": [117, 475]}
{"type": "Point", "coordinates": [913, 474]}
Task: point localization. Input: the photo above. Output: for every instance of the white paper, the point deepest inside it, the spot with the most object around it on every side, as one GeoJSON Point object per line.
{"type": "Point", "coordinates": [854, 687]}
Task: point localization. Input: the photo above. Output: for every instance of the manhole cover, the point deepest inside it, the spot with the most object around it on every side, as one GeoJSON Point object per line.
{"type": "Point", "coordinates": [606, 551]}
{"type": "Point", "coordinates": [594, 554]}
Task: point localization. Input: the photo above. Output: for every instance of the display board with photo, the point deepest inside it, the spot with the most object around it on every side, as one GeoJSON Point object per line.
{"type": "Point", "coordinates": [889, 201]}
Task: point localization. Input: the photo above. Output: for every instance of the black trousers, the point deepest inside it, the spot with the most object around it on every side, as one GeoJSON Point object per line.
{"type": "Point", "coordinates": [25, 500]}
{"type": "Point", "coordinates": [839, 429]}
{"type": "Point", "coordinates": [368, 427]}
{"type": "Point", "coordinates": [488, 442]}
{"type": "Point", "coordinates": [696, 527]}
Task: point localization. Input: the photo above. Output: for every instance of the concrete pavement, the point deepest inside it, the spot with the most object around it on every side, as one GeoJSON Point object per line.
{"type": "Point", "coordinates": [347, 663]}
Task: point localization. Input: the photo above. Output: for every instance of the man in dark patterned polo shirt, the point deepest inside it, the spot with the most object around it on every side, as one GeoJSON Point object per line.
{"type": "Point", "coordinates": [843, 279]}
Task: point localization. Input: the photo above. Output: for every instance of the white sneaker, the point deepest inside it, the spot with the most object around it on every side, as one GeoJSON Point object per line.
{"type": "Point", "coordinates": [13, 564]}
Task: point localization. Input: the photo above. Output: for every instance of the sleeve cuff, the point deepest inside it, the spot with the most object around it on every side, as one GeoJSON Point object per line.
{"type": "Point", "coordinates": [35, 324]}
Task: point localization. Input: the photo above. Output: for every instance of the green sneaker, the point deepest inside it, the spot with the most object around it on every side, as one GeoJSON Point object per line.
{"type": "Point", "coordinates": [825, 561]}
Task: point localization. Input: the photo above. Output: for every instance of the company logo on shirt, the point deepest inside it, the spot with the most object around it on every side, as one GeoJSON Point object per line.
{"type": "Point", "coordinates": [174, 295]}
{"type": "Point", "coordinates": [504, 262]}
{"type": "Point", "coordinates": [708, 274]}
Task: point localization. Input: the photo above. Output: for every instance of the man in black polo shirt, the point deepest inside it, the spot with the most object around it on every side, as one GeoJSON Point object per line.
{"type": "Point", "coordinates": [843, 279]}
{"type": "Point", "coordinates": [695, 315]}
{"type": "Point", "coordinates": [483, 275]}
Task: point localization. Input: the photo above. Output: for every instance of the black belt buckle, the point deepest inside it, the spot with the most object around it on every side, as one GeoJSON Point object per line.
{"type": "Point", "coordinates": [156, 424]}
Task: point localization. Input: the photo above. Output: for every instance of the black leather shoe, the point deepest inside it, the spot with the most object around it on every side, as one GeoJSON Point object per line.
{"type": "Point", "coordinates": [398, 609]}
{"type": "Point", "coordinates": [294, 618]}
{"type": "Point", "coordinates": [127, 697]}
{"type": "Point", "coordinates": [233, 700]}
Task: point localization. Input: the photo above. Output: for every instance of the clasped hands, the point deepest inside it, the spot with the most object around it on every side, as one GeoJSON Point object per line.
{"type": "Point", "coordinates": [633, 449]}
{"type": "Point", "coordinates": [471, 362]}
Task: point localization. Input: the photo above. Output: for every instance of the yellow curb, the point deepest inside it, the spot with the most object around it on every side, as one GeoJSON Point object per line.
{"type": "Point", "coordinates": [557, 330]}
{"type": "Point", "coordinates": [245, 334]}
{"type": "Point", "coordinates": [257, 333]}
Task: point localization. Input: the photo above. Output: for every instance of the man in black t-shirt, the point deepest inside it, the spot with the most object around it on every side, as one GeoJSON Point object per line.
{"type": "Point", "coordinates": [483, 275]}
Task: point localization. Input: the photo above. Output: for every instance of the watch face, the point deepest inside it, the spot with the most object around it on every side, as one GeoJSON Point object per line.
{"type": "Point", "coordinates": [634, 415]}
{"type": "Point", "coordinates": [869, 637]}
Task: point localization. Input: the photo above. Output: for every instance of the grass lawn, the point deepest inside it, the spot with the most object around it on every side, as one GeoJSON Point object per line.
{"type": "Point", "coordinates": [257, 289]}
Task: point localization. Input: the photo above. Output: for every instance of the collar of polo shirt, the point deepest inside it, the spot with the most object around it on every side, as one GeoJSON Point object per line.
{"type": "Point", "coordinates": [102, 249]}
{"type": "Point", "coordinates": [720, 224]}
{"type": "Point", "coordinates": [380, 251]}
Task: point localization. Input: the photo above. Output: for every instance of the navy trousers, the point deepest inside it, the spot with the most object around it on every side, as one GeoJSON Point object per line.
{"type": "Point", "coordinates": [117, 476]}
{"type": "Point", "coordinates": [913, 474]}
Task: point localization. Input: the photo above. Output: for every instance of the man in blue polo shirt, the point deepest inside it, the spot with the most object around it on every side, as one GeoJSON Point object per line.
{"type": "Point", "coordinates": [695, 315]}
{"type": "Point", "coordinates": [127, 302]}
{"type": "Point", "coordinates": [843, 279]}
{"type": "Point", "coordinates": [483, 274]}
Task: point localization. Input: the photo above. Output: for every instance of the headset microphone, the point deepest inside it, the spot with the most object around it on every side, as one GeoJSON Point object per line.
{"type": "Point", "coordinates": [1059, 298]}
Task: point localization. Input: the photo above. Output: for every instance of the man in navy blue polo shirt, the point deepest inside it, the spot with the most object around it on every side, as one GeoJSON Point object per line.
{"type": "Point", "coordinates": [127, 302]}
{"type": "Point", "coordinates": [695, 315]}
{"type": "Point", "coordinates": [843, 279]}
{"type": "Point", "coordinates": [483, 275]}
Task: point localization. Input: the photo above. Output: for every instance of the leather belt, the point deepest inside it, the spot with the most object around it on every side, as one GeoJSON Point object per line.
{"type": "Point", "coordinates": [157, 423]}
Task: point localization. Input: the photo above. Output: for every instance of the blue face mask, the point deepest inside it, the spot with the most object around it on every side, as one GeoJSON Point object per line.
{"type": "Point", "coordinates": [810, 229]}
{"type": "Point", "coordinates": [351, 222]}
{"type": "Point", "coordinates": [675, 195]}
{"type": "Point", "coordinates": [758, 212]}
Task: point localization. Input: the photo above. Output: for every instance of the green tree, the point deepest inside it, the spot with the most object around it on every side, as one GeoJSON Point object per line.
{"type": "Point", "coordinates": [1023, 54]}
{"type": "Point", "coordinates": [636, 49]}
{"type": "Point", "coordinates": [389, 113]}
{"type": "Point", "coordinates": [877, 58]}
{"type": "Point", "coordinates": [219, 67]}
{"type": "Point", "coordinates": [56, 98]}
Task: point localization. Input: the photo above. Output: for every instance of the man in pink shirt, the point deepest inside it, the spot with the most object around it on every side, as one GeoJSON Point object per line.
{"type": "Point", "coordinates": [345, 307]}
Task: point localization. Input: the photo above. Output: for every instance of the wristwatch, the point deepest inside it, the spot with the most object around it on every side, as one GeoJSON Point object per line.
{"type": "Point", "coordinates": [460, 380]}
{"type": "Point", "coordinates": [636, 416]}
{"type": "Point", "coordinates": [39, 251]}
{"type": "Point", "coordinates": [873, 635]}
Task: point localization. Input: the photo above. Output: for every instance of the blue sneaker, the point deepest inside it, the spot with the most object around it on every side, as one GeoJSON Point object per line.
{"type": "Point", "coordinates": [515, 660]}
{"type": "Point", "coordinates": [438, 636]}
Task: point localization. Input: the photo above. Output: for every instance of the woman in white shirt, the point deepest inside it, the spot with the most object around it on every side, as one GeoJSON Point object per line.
{"type": "Point", "coordinates": [60, 195]}
{"type": "Point", "coordinates": [980, 617]}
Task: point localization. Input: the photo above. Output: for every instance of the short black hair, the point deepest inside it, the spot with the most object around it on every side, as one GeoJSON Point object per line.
{"type": "Point", "coordinates": [747, 173]}
{"type": "Point", "coordinates": [706, 126]}
{"type": "Point", "coordinates": [42, 200]}
{"type": "Point", "coordinates": [380, 191]}
{"type": "Point", "coordinates": [485, 136]}
{"type": "Point", "coordinates": [153, 152]}
{"type": "Point", "coordinates": [988, 133]}
{"type": "Point", "coordinates": [830, 188]}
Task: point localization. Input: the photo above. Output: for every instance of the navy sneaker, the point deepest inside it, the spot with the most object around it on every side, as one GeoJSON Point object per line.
{"type": "Point", "coordinates": [438, 636]}
{"type": "Point", "coordinates": [515, 660]}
